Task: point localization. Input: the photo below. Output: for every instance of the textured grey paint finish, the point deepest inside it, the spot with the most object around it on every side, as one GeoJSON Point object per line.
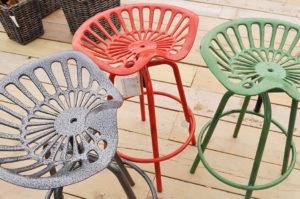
{"type": "Point", "coordinates": [57, 130]}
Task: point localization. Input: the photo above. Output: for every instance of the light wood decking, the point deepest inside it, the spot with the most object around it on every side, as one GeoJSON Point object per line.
{"type": "Point", "coordinates": [231, 157]}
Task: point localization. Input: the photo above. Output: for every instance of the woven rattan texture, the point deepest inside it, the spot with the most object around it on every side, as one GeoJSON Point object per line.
{"type": "Point", "coordinates": [48, 6]}
{"type": "Point", "coordinates": [28, 19]}
{"type": "Point", "coordinates": [77, 12]}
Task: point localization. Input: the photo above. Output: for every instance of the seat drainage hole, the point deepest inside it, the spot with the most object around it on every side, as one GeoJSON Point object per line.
{"type": "Point", "coordinates": [270, 70]}
{"type": "Point", "coordinates": [143, 46]}
{"type": "Point", "coordinates": [129, 64]}
{"type": "Point", "coordinates": [73, 120]}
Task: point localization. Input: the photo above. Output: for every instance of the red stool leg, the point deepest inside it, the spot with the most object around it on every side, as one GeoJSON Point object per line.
{"type": "Point", "coordinates": [152, 116]}
{"type": "Point", "coordinates": [142, 101]}
{"type": "Point", "coordinates": [181, 94]}
{"type": "Point", "coordinates": [112, 78]}
{"type": "Point", "coordinates": [180, 89]}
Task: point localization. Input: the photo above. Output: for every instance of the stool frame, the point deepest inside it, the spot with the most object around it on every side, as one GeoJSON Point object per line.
{"type": "Point", "coordinates": [253, 64]}
{"type": "Point", "coordinates": [138, 44]}
{"type": "Point", "coordinates": [208, 130]}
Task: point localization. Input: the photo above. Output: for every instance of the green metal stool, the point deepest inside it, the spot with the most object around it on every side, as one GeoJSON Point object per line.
{"type": "Point", "coordinates": [265, 60]}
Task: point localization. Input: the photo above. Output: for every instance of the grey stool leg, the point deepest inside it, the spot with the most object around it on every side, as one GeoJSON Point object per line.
{"type": "Point", "coordinates": [121, 166]}
{"type": "Point", "coordinates": [123, 181]}
{"type": "Point", "coordinates": [122, 177]}
{"type": "Point", "coordinates": [124, 169]}
{"type": "Point", "coordinates": [57, 192]}
{"type": "Point", "coordinates": [144, 175]}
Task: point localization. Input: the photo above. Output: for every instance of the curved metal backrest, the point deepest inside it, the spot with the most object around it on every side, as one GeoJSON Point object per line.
{"type": "Point", "coordinates": [171, 28]}
{"type": "Point", "coordinates": [45, 125]}
{"type": "Point", "coordinates": [251, 56]}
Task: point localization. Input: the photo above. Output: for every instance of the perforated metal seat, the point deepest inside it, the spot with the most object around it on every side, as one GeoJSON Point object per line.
{"type": "Point", "coordinates": [252, 56]}
{"type": "Point", "coordinates": [59, 123]}
{"type": "Point", "coordinates": [146, 31]}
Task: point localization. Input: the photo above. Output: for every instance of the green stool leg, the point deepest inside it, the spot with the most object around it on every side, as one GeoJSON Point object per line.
{"type": "Point", "coordinates": [262, 142]}
{"type": "Point", "coordinates": [258, 104]}
{"type": "Point", "coordinates": [289, 137]}
{"type": "Point", "coordinates": [195, 164]}
{"type": "Point", "coordinates": [241, 116]}
{"type": "Point", "coordinates": [211, 128]}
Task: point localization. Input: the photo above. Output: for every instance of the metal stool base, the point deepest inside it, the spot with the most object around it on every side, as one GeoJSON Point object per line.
{"type": "Point", "coordinates": [58, 194]}
{"type": "Point", "coordinates": [145, 81]}
{"type": "Point", "coordinates": [209, 126]}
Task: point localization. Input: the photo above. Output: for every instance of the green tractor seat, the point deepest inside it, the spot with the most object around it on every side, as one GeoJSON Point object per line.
{"type": "Point", "coordinates": [266, 59]}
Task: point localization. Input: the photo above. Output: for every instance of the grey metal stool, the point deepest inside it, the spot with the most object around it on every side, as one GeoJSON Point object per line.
{"type": "Point", "coordinates": [58, 137]}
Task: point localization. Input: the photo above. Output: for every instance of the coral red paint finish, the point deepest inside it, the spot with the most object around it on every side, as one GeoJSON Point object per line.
{"type": "Point", "coordinates": [137, 38]}
{"type": "Point", "coordinates": [146, 35]}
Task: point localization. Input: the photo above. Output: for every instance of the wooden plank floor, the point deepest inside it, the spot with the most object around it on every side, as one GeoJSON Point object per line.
{"type": "Point", "coordinates": [230, 157]}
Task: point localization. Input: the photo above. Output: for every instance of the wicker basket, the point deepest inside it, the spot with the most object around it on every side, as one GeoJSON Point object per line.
{"type": "Point", "coordinates": [22, 22]}
{"type": "Point", "coordinates": [48, 6]}
{"type": "Point", "coordinates": [78, 11]}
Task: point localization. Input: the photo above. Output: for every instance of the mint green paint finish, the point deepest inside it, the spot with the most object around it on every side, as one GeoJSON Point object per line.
{"type": "Point", "coordinates": [252, 64]}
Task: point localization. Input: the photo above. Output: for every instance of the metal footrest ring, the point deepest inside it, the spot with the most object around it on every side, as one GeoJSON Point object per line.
{"type": "Point", "coordinates": [234, 184]}
{"type": "Point", "coordinates": [177, 151]}
{"type": "Point", "coordinates": [144, 175]}
{"type": "Point", "coordinates": [130, 165]}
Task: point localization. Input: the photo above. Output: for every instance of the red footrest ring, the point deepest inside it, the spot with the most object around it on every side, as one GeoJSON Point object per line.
{"type": "Point", "coordinates": [177, 151]}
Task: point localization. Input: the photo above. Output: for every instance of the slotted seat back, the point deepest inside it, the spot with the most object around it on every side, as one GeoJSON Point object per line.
{"type": "Point", "coordinates": [251, 56]}
{"type": "Point", "coordinates": [146, 31]}
{"type": "Point", "coordinates": [46, 126]}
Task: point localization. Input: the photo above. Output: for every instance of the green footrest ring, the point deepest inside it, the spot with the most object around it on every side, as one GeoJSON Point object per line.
{"type": "Point", "coordinates": [240, 186]}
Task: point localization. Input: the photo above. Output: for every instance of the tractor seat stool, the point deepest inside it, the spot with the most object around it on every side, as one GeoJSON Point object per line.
{"type": "Point", "coordinates": [60, 128]}
{"type": "Point", "coordinates": [253, 57]}
{"type": "Point", "coordinates": [149, 35]}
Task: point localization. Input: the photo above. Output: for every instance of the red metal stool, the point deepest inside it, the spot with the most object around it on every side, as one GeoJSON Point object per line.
{"type": "Point", "coordinates": [136, 43]}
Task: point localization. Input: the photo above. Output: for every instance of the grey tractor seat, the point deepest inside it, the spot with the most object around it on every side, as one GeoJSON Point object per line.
{"type": "Point", "coordinates": [58, 118]}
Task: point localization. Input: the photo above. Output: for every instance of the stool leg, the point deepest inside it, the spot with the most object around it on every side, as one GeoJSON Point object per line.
{"type": "Point", "coordinates": [144, 175]}
{"type": "Point", "coordinates": [262, 142]}
{"type": "Point", "coordinates": [289, 138]}
{"type": "Point", "coordinates": [124, 169]}
{"type": "Point", "coordinates": [123, 181]}
{"type": "Point", "coordinates": [181, 94]}
{"type": "Point", "coordinates": [258, 104]}
{"type": "Point", "coordinates": [112, 78]}
{"type": "Point", "coordinates": [177, 76]}
{"type": "Point", "coordinates": [47, 155]}
{"type": "Point", "coordinates": [58, 193]}
{"type": "Point", "coordinates": [152, 116]}
{"type": "Point", "coordinates": [211, 129]}
{"type": "Point", "coordinates": [142, 101]}
{"type": "Point", "coordinates": [241, 116]}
